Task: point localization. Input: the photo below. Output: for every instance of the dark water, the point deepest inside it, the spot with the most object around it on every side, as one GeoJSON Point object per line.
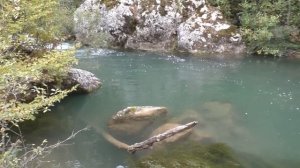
{"type": "Point", "coordinates": [251, 104]}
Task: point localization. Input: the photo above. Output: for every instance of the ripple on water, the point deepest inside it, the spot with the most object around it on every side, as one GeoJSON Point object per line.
{"type": "Point", "coordinates": [172, 58]}
{"type": "Point", "coordinates": [94, 53]}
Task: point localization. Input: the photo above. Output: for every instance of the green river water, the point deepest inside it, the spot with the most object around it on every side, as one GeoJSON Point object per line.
{"type": "Point", "coordinates": [250, 104]}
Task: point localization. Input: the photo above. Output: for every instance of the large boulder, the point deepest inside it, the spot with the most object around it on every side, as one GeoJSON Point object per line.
{"type": "Point", "coordinates": [167, 25]}
{"type": "Point", "coordinates": [86, 81]}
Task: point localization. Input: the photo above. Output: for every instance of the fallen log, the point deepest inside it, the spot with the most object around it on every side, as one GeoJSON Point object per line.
{"type": "Point", "coordinates": [114, 141]}
{"type": "Point", "coordinates": [150, 141]}
{"type": "Point", "coordinates": [160, 137]}
{"type": "Point", "coordinates": [110, 138]}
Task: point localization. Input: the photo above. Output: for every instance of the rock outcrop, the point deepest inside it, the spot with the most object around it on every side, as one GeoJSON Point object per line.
{"type": "Point", "coordinates": [86, 81]}
{"type": "Point", "coordinates": [155, 25]}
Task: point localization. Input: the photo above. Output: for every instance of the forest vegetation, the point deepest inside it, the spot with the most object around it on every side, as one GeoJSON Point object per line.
{"type": "Point", "coordinates": [31, 69]}
{"type": "Point", "coordinates": [269, 27]}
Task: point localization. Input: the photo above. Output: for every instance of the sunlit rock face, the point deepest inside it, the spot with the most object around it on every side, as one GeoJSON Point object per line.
{"type": "Point", "coordinates": [166, 25]}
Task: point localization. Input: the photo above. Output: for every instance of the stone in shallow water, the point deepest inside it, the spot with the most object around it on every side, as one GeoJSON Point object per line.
{"type": "Point", "coordinates": [133, 119]}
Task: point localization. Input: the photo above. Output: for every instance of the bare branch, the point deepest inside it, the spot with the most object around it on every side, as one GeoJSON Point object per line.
{"type": "Point", "coordinates": [32, 154]}
{"type": "Point", "coordinates": [160, 137]}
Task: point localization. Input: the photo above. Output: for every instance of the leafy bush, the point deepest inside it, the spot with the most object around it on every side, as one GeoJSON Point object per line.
{"type": "Point", "coordinates": [31, 70]}
{"type": "Point", "coordinates": [269, 27]}
{"type": "Point", "coordinates": [29, 32]}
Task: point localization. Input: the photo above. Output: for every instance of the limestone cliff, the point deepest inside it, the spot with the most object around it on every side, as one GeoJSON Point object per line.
{"type": "Point", "coordinates": [157, 25]}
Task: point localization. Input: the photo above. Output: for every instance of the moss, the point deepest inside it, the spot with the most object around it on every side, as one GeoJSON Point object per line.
{"type": "Point", "coordinates": [147, 4]}
{"type": "Point", "coordinates": [110, 3]}
{"type": "Point", "coordinates": [163, 4]}
{"type": "Point", "coordinates": [130, 24]}
{"type": "Point", "coordinates": [185, 11]}
{"type": "Point", "coordinates": [190, 154]}
{"type": "Point", "coordinates": [230, 9]}
{"type": "Point", "coordinates": [228, 32]}
{"type": "Point", "coordinates": [162, 11]}
{"type": "Point", "coordinates": [222, 35]}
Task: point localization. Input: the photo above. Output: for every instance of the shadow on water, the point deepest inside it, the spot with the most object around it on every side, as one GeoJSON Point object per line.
{"type": "Point", "coordinates": [59, 121]}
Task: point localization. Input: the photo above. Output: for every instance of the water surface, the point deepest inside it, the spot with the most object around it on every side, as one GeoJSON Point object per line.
{"type": "Point", "coordinates": [251, 104]}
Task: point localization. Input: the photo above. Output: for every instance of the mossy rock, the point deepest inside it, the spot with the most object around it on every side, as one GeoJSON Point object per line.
{"type": "Point", "coordinates": [110, 3]}
{"type": "Point", "coordinates": [228, 32]}
{"type": "Point", "coordinates": [135, 118]}
{"type": "Point", "coordinates": [149, 4]}
{"type": "Point", "coordinates": [192, 155]}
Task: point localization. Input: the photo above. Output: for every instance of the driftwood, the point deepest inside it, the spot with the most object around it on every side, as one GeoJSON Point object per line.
{"type": "Point", "coordinates": [114, 141]}
{"type": "Point", "coordinates": [110, 138]}
{"type": "Point", "coordinates": [150, 141]}
{"type": "Point", "coordinates": [160, 137]}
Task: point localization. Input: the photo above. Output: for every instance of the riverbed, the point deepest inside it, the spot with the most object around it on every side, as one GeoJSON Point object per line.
{"type": "Point", "coordinates": [251, 104]}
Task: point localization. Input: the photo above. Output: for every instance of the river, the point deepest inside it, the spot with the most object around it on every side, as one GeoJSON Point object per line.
{"type": "Point", "coordinates": [251, 104]}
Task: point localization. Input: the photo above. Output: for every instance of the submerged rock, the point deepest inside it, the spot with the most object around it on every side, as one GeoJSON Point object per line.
{"type": "Point", "coordinates": [223, 121]}
{"type": "Point", "coordinates": [86, 81]}
{"type": "Point", "coordinates": [192, 155]}
{"type": "Point", "coordinates": [135, 118]}
{"type": "Point", "coordinates": [164, 25]}
{"type": "Point", "coordinates": [139, 113]}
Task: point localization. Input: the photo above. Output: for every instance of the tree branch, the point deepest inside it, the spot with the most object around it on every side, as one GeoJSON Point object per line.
{"type": "Point", "coordinates": [160, 137]}
{"type": "Point", "coordinates": [150, 141]}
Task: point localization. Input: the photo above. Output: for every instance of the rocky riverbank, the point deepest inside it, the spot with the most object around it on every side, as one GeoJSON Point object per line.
{"type": "Point", "coordinates": [157, 25]}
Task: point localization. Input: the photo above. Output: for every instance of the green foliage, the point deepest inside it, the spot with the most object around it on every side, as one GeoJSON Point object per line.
{"type": "Point", "coordinates": [224, 5]}
{"type": "Point", "coordinates": [66, 16]}
{"type": "Point", "coordinates": [95, 38]}
{"type": "Point", "coordinates": [35, 25]}
{"type": "Point", "coordinates": [110, 3]}
{"type": "Point", "coordinates": [31, 70]}
{"type": "Point", "coordinates": [228, 7]}
{"type": "Point", "coordinates": [30, 24]}
{"type": "Point", "coordinates": [258, 20]}
{"type": "Point", "coordinates": [29, 31]}
{"type": "Point", "coordinates": [19, 81]}
{"type": "Point", "coordinates": [265, 25]}
{"type": "Point", "coordinates": [190, 154]}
